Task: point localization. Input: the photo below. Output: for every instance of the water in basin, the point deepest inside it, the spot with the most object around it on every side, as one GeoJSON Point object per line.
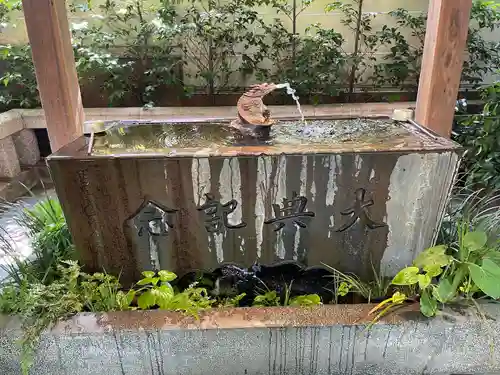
{"type": "Point", "coordinates": [165, 137]}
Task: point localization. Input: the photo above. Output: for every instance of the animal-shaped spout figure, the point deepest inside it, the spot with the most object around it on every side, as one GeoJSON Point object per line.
{"type": "Point", "coordinates": [254, 118]}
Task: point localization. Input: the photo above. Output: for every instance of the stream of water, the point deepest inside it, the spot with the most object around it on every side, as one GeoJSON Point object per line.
{"type": "Point", "coordinates": [290, 91]}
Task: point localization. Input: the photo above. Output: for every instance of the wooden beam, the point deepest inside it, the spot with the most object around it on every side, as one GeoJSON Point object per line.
{"type": "Point", "coordinates": [50, 39]}
{"type": "Point", "coordinates": [444, 51]}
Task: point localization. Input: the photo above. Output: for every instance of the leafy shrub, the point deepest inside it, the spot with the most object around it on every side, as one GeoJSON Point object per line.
{"type": "Point", "coordinates": [478, 209]}
{"type": "Point", "coordinates": [131, 49]}
{"type": "Point", "coordinates": [50, 237]}
{"type": "Point", "coordinates": [156, 291]}
{"type": "Point", "coordinates": [365, 40]}
{"type": "Point", "coordinates": [445, 275]}
{"type": "Point", "coordinates": [50, 240]}
{"type": "Point", "coordinates": [18, 83]}
{"type": "Point", "coordinates": [319, 62]}
{"type": "Point", "coordinates": [40, 305]}
{"type": "Point", "coordinates": [134, 52]}
{"type": "Point", "coordinates": [479, 135]}
{"type": "Point", "coordinates": [402, 64]}
{"type": "Point", "coordinates": [222, 38]}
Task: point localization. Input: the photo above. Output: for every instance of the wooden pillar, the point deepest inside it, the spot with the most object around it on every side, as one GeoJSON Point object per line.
{"type": "Point", "coordinates": [50, 39]}
{"type": "Point", "coordinates": [444, 51]}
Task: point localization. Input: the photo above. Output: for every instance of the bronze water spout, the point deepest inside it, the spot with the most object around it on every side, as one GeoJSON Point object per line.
{"type": "Point", "coordinates": [254, 118]}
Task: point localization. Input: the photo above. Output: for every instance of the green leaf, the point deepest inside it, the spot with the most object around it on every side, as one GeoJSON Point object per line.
{"type": "Point", "coordinates": [493, 255]}
{"type": "Point", "coordinates": [475, 240]}
{"type": "Point", "coordinates": [167, 276]}
{"type": "Point", "coordinates": [398, 298]}
{"type": "Point", "coordinates": [123, 300]}
{"type": "Point", "coordinates": [434, 256]}
{"type": "Point", "coordinates": [163, 296]}
{"type": "Point", "coordinates": [148, 274]}
{"type": "Point", "coordinates": [307, 300]}
{"type": "Point", "coordinates": [149, 280]}
{"type": "Point", "coordinates": [129, 297]}
{"type": "Point", "coordinates": [433, 270]}
{"type": "Point", "coordinates": [407, 276]}
{"type": "Point", "coordinates": [486, 277]}
{"type": "Point", "coordinates": [146, 300]}
{"type": "Point", "coordinates": [167, 289]}
{"type": "Point", "coordinates": [424, 281]}
{"type": "Point", "coordinates": [444, 291]}
{"type": "Point", "coordinates": [268, 299]}
{"type": "Point", "coordinates": [428, 305]}
{"type": "Point", "coordinates": [343, 289]}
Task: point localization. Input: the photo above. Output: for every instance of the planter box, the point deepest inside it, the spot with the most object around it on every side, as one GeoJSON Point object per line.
{"type": "Point", "coordinates": [354, 194]}
{"type": "Point", "coordinates": [325, 340]}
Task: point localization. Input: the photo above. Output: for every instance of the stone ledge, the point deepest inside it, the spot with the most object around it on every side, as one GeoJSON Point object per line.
{"type": "Point", "coordinates": [314, 341]}
{"type": "Point", "coordinates": [10, 122]}
{"type": "Point", "coordinates": [17, 119]}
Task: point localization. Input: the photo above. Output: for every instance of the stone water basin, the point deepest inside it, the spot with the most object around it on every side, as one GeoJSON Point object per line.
{"type": "Point", "coordinates": [357, 194]}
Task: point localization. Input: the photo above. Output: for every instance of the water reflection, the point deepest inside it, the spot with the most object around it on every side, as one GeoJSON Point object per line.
{"type": "Point", "coordinates": [167, 137]}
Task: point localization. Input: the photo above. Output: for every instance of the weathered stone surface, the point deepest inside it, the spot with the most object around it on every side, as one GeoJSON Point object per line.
{"type": "Point", "coordinates": [353, 199]}
{"type": "Point", "coordinates": [9, 162]}
{"type": "Point", "coordinates": [139, 343]}
{"type": "Point", "coordinates": [26, 145]}
{"type": "Point", "coordinates": [17, 186]}
{"type": "Point", "coordinates": [10, 122]}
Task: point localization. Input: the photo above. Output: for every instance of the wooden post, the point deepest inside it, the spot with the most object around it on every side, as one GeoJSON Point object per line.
{"type": "Point", "coordinates": [50, 39]}
{"type": "Point", "coordinates": [444, 50]}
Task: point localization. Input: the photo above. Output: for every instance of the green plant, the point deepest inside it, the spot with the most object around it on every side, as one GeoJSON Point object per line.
{"type": "Point", "coordinates": [316, 66]}
{"type": "Point", "coordinates": [103, 292]}
{"type": "Point", "coordinates": [156, 291]}
{"type": "Point", "coordinates": [365, 40]}
{"type": "Point", "coordinates": [51, 239]}
{"type": "Point", "coordinates": [39, 305]}
{"type": "Point", "coordinates": [232, 301]}
{"type": "Point", "coordinates": [479, 135]}
{"type": "Point", "coordinates": [221, 39]}
{"type": "Point", "coordinates": [483, 55]}
{"type": "Point", "coordinates": [402, 64]}
{"type": "Point", "coordinates": [271, 298]}
{"type": "Point", "coordinates": [471, 268]}
{"type": "Point", "coordinates": [319, 61]}
{"type": "Point", "coordinates": [387, 305]}
{"type": "Point", "coordinates": [292, 12]}
{"type": "Point", "coordinates": [19, 88]}
{"type": "Point", "coordinates": [348, 283]}
{"type": "Point", "coordinates": [143, 37]}
{"type": "Point", "coordinates": [305, 300]}
{"type": "Point", "coordinates": [478, 208]}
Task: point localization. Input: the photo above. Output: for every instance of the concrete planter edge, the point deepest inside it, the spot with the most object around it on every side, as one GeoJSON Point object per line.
{"type": "Point", "coordinates": [330, 339]}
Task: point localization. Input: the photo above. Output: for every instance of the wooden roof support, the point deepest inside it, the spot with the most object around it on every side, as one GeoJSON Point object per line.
{"type": "Point", "coordinates": [50, 39]}
{"type": "Point", "coordinates": [445, 41]}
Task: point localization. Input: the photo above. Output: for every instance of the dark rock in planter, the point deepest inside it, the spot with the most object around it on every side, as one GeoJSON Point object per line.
{"type": "Point", "coordinates": [287, 279]}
